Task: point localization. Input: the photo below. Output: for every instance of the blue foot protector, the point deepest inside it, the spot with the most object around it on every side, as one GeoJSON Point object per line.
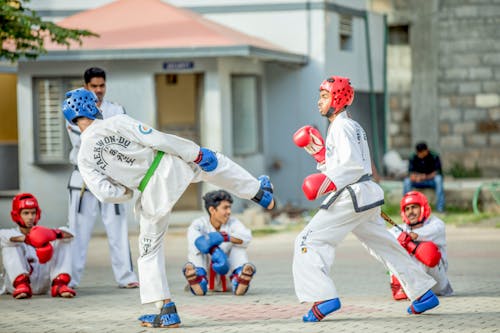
{"type": "Point", "coordinates": [426, 302]}
{"type": "Point", "coordinates": [168, 317]}
{"type": "Point", "coordinates": [321, 309]}
{"type": "Point", "coordinates": [241, 277]}
{"type": "Point", "coordinates": [196, 277]}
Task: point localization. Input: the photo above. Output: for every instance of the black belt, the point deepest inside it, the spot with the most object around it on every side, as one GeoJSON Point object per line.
{"type": "Point", "coordinates": [357, 209]}
{"type": "Point", "coordinates": [82, 190]}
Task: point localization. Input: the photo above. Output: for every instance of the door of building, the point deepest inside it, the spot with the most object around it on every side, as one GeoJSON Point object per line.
{"type": "Point", "coordinates": [178, 100]}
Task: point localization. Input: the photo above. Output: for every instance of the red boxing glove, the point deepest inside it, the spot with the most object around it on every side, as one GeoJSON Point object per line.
{"type": "Point", "coordinates": [311, 140]}
{"type": "Point", "coordinates": [39, 236]}
{"type": "Point", "coordinates": [316, 185]}
{"type": "Point", "coordinates": [405, 240]}
{"type": "Point", "coordinates": [44, 253]}
{"type": "Point", "coordinates": [428, 253]}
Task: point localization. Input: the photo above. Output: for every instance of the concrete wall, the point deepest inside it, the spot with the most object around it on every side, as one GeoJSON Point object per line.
{"type": "Point", "coordinates": [469, 84]}
{"type": "Point", "coordinates": [399, 90]}
{"type": "Point", "coordinates": [455, 99]}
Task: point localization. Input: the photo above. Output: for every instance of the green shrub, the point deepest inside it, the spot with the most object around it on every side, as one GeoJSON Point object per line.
{"type": "Point", "coordinates": [458, 170]}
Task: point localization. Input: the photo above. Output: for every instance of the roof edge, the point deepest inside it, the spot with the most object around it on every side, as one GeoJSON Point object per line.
{"type": "Point", "coordinates": [176, 53]}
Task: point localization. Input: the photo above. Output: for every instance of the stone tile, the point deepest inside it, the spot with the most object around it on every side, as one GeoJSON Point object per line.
{"type": "Point", "coordinates": [271, 305]}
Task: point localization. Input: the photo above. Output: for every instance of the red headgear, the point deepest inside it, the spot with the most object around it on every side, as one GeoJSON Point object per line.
{"type": "Point", "coordinates": [24, 201]}
{"type": "Point", "coordinates": [415, 197]}
{"type": "Point", "coordinates": [341, 90]}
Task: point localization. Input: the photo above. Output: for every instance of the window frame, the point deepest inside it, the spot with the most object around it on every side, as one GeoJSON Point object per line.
{"type": "Point", "coordinates": [257, 114]}
{"type": "Point", "coordinates": [66, 83]}
{"type": "Point", "coordinates": [346, 36]}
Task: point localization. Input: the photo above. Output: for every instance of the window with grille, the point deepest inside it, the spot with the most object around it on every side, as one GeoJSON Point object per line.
{"type": "Point", "coordinates": [52, 144]}
{"type": "Point", "coordinates": [345, 32]}
{"type": "Point", "coordinates": [245, 98]}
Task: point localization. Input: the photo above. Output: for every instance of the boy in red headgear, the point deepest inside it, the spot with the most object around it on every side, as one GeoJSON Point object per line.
{"type": "Point", "coordinates": [35, 258]}
{"type": "Point", "coordinates": [424, 237]}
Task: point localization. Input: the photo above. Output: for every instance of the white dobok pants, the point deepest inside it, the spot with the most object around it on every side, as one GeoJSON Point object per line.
{"type": "Point", "coordinates": [21, 259]}
{"type": "Point", "coordinates": [153, 208]}
{"type": "Point", "coordinates": [438, 272]}
{"type": "Point", "coordinates": [81, 224]}
{"type": "Point", "coordinates": [314, 251]}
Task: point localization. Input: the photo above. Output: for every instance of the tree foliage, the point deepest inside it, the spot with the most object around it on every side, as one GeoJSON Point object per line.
{"type": "Point", "coordinates": [23, 33]}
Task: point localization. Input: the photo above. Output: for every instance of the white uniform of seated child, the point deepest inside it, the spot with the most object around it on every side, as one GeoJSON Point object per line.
{"type": "Point", "coordinates": [217, 246]}
{"type": "Point", "coordinates": [35, 258]}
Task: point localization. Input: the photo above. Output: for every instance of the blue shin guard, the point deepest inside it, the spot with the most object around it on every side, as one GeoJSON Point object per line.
{"type": "Point", "coordinates": [426, 302]}
{"type": "Point", "coordinates": [168, 317]}
{"type": "Point", "coordinates": [321, 309]}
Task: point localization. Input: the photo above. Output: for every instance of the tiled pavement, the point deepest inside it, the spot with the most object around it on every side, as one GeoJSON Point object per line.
{"type": "Point", "coordinates": [270, 305]}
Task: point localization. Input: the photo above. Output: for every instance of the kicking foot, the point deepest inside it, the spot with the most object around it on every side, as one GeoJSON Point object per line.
{"type": "Point", "coordinates": [264, 196]}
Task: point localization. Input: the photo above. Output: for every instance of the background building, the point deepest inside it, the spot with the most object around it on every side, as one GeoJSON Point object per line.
{"type": "Point", "coordinates": [444, 80]}
{"type": "Point", "coordinates": [242, 76]}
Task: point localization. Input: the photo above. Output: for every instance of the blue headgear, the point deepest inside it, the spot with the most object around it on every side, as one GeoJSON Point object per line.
{"type": "Point", "coordinates": [80, 103]}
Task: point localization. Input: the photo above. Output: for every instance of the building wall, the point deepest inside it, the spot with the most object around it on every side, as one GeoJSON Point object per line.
{"type": "Point", "coordinates": [131, 84]}
{"type": "Point", "coordinates": [455, 80]}
{"type": "Point", "coordinates": [469, 84]}
{"type": "Point", "coordinates": [8, 132]}
{"type": "Point", "coordinates": [399, 91]}
{"type": "Point", "coordinates": [290, 91]}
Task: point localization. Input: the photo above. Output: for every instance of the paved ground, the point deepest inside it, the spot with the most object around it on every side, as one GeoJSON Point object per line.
{"type": "Point", "coordinates": [270, 305]}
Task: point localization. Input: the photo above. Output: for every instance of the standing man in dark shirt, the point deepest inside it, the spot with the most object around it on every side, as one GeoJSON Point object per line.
{"type": "Point", "coordinates": [425, 171]}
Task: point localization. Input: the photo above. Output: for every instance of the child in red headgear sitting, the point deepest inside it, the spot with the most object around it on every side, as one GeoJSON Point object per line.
{"type": "Point", "coordinates": [35, 258]}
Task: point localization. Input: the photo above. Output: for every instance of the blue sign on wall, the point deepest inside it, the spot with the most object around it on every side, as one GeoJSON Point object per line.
{"type": "Point", "coordinates": [178, 65]}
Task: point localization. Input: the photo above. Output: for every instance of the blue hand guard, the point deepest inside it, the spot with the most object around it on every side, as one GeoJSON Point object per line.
{"type": "Point", "coordinates": [426, 302]}
{"type": "Point", "coordinates": [220, 263]}
{"type": "Point", "coordinates": [321, 309]}
{"type": "Point", "coordinates": [168, 316]}
{"type": "Point", "coordinates": [206, 243]}
{"type": "Point", "coordinates": [216, 238]}
{"type": "Point", "coordinates": [207, 160]}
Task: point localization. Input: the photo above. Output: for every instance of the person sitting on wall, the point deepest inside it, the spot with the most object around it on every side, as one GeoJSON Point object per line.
{"type": "Point", "coordinates": [425, 171]}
